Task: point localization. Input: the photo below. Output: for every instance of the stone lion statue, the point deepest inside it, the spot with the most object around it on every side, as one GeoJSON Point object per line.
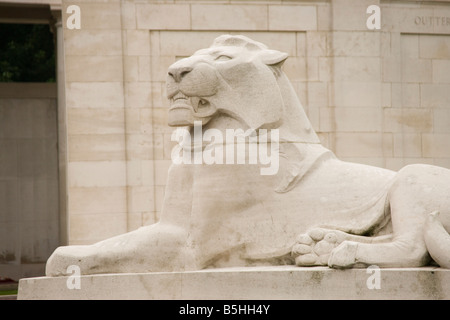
{"type": "Point", "coordinates": [316, 209]}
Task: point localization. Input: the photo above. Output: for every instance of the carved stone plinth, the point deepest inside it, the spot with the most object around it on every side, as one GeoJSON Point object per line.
{"type": "Point", "coordinates": [280, 282]}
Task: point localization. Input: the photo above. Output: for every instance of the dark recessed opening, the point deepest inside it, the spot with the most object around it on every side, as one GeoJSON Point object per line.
{"type": "Point", "coordinates": [27, 53]}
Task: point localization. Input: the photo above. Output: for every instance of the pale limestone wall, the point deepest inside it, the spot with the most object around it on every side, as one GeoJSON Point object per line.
{"type": "Point", "coordinates": [29, 212]}
{"type": "Point", "coordinates": [379, 97]}
{"type": "Point", "coordinates": [96, 126]}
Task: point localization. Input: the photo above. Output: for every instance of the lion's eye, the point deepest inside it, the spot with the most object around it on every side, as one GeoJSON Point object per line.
{"type": "Point", "coordinates": [223, 58]}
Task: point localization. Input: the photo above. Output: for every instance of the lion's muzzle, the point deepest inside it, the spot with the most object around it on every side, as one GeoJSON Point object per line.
{"type": "Point", "coordinates": [190, 87]}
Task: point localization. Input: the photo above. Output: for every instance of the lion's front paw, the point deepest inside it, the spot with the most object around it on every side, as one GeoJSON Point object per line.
{"type": "Point", "coordinates": [314, 247]}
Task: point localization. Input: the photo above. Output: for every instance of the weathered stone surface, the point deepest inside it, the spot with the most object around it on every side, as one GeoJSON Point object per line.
{"type": "Point", "coordinates": [265, 283]}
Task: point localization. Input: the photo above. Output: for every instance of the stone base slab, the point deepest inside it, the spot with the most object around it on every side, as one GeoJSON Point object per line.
{"type": "Point", "coordinates": [255, 283]}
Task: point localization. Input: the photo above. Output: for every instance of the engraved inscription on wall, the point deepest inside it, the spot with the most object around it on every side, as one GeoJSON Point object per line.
{"type": "Point", "coordinates": [432, 21]}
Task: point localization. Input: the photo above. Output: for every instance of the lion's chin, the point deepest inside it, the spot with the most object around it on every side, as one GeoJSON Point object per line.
{"type": "Point", "coordinates": [180, 117]}
{"type": "Point", "coordinates": [184, 116]}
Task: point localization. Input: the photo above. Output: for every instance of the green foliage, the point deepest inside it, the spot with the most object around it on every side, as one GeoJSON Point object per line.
{"type": "Point", "coordinates": [27, 53]}
{"type": "Point", "coordinates": [8, 292]}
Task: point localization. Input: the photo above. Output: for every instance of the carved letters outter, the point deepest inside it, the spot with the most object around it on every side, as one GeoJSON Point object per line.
{"type": "Point", "coordinates": [432, 21]}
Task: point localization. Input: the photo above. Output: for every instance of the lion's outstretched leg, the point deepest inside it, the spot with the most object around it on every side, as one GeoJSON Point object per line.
{"type": "Point", "coordinates": [156, 247]}
{"type": "Point", "coordinates": [397, 253]}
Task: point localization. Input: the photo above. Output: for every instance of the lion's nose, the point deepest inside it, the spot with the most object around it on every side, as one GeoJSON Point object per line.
{"type": "Point", "coordinates": [178, 73]}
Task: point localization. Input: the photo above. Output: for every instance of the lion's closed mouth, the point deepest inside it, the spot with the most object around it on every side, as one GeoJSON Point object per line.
{"type": "Point", "coordinates": [180, 96]}
{"type": "Point", "coordinates": [180, 100]}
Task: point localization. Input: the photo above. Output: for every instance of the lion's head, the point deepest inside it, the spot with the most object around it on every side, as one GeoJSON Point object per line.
{"type": "Point", "coordinates": [231, 77]}
{"type": "Point", "coordinates": [241, 78]}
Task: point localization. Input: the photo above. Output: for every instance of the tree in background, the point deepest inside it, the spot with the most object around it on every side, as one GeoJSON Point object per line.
{"type": "Point", "coordinates": [27, 53]}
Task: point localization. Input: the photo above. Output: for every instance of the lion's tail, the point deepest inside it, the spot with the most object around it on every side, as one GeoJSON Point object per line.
{"type": "Point", "coordinates": [437, 240]}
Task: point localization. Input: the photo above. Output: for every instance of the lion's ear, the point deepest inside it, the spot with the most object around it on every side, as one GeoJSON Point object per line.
{"type": "Point", "coordinates": [273, 57]}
